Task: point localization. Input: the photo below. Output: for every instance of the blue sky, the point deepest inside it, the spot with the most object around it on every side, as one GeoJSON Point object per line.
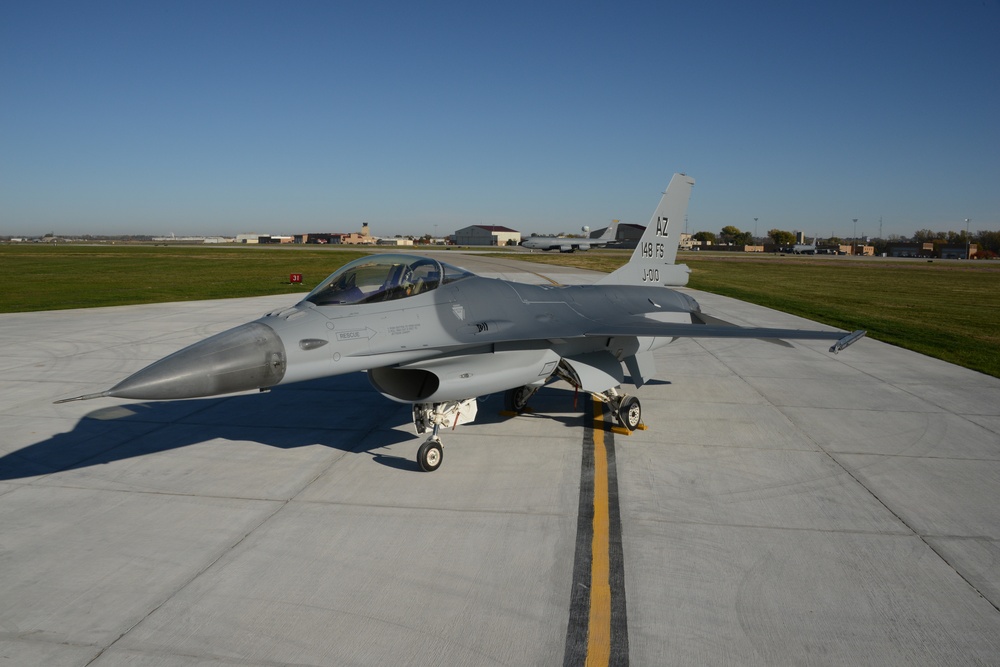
{"type": "Point", "coordinates": [218, 117]}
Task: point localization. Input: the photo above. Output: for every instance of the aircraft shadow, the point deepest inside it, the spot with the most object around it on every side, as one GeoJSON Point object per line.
{"type": "Point", "coordinates": [281, 419]}
{"type": "Point", "coordinates": [300, 415]}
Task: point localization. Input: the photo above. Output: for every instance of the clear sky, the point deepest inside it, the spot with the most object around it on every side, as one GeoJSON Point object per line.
{"type": "Point", "coordinates": [216, 117]}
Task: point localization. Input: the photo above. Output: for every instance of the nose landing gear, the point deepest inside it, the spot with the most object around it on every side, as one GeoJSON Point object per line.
{"type": "Point", "coordinates": [429, 418]}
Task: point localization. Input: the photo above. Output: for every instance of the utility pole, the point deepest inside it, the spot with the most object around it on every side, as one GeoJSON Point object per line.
{"type": "Point", "coordinates": [968, 240]}
{"type": "Point", "coordinates": [854, 240]}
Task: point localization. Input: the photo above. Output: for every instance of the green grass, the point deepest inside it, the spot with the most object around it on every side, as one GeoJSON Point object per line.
{"type": "Point", "coordinates": [945, 309]}
{"type": "Point", "coordinates": [40, 277]}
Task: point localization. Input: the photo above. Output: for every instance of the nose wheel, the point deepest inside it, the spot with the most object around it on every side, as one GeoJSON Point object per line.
{"type": "Point", "coordinates": [430, 455]}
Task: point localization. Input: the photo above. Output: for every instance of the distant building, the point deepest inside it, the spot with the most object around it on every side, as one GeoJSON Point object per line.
{"type": "Point", "coordinates": [255, 239]}
{"type": "Point", "coordinates": [396, 242]}
{"type": "Point", "coordinates": [957, 251]}
{"type": "Point", "coordinates": [488, 235]}
{"type": "Point", "coordinates": [901, 249]}
{"type": "Point", "coordinates": [930, 249]}
{"type": "Point", "coordinates": [338, 238]}
{"type": "Point", "coordinates": [857, 249]}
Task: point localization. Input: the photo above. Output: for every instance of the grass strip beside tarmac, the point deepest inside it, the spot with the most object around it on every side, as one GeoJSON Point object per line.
{"type": "Point", "coordinates": [36, 277]}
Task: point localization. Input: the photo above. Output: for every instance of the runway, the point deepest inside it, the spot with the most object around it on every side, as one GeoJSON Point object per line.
{"type": "Point", "coordinates": [786, 506]}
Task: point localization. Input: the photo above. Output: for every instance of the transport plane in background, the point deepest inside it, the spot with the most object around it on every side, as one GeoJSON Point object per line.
{"type": "Point", "coordinates": [805, 248]}
{"type": "Point", "coordinates": [569, 243]}
{"type": "Point", "coordinates": [437, 336]}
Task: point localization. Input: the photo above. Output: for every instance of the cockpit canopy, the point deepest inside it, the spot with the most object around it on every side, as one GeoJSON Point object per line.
{"type": "Point", "coordinates": [383, 277]}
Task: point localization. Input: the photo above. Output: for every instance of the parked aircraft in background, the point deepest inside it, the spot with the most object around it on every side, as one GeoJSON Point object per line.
{"type": "Point", "coordinates": [569, 243]}
{"type": "Point", "coordinates": [804, 248]}
{"type": "Point", "coordinates": [436, 336]}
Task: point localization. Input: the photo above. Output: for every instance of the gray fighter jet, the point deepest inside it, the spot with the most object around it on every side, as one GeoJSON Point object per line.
{"type": "Point", "coordinates": [437, 336]}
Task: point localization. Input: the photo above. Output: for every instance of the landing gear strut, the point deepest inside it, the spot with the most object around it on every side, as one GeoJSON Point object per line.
{"type": "Point", "coordinates": [429, 418]}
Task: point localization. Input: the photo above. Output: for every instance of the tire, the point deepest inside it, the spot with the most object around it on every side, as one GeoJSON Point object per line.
{"type": "Point", "coordinates": [430, 455]}
{"type": "Point", "coordinates": [516, 400]}
{"type": "Point", "coordinates": [630, 413]}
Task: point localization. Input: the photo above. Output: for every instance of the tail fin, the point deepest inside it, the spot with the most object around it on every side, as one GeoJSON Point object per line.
{"type": "Point", "coordinates": [652, 263]}
{"type": "Point", "coordinates": [609, 232]}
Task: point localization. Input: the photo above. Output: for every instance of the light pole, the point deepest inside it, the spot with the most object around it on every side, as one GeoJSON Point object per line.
{"type": "Point", "coordinates": [755, 231]}
{"type": "Point", "coordinates": [854, 239]}
{"type": "Point", "coordinates": [968, 240]}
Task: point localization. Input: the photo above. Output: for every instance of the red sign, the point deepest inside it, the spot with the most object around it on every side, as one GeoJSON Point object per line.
{"type": "Point", "coordinates": [295, 278]}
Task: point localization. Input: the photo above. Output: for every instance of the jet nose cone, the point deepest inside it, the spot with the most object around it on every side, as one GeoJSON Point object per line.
{"type": "Point", "coordinates": [251, 356]}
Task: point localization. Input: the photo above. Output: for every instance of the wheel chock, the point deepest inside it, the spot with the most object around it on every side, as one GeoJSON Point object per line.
{"type": "Point", "coordinates": [624, 431]}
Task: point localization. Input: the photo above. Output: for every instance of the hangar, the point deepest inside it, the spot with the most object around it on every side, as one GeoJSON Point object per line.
{"type": "Point", "coordinates": [492, 235]}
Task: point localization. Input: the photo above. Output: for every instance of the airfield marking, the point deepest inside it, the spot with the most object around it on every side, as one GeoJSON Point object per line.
{"type": "Point", "coordinates": [598, 631]}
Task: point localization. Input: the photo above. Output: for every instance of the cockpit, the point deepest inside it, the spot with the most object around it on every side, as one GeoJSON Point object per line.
{"type": "Point", "coordinates": [387, 277]}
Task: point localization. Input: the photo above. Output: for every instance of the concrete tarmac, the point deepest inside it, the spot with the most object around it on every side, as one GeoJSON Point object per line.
{"type": "Point", "coordinates": [786, 506]}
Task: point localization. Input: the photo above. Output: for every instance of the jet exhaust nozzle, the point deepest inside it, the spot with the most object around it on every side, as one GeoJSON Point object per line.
{"type": "Point", "coordinates": [250, 356]}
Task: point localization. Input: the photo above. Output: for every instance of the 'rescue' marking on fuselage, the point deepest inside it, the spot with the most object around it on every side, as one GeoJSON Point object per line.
{"type": "Point", "coordinates": [356, 334]}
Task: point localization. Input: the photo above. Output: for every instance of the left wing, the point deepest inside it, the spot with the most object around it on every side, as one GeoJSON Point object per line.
{"type": "Point", "coordinates": [683, 330]}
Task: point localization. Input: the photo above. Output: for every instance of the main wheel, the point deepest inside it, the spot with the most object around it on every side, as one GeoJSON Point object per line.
{"type": "Point", "coordinates": [430, 455]}
{"type": "Point", "coordinates": [516, 400]}
{"type": "Point", "coordinates": [630, 413]}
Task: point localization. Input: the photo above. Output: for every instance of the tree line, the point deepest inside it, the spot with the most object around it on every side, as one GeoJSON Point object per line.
{"type": "Point", "coordinates": [987, 241]}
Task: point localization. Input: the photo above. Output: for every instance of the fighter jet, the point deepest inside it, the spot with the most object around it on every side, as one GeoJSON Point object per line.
{"type": "Point", "coordinates": [437, 336]}
{"type": "Point", "coordinates": [569, 244]}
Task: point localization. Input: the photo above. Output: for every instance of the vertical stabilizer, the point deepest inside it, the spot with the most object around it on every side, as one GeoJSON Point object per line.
{"type": "Point", "coordinates": [652, 262]}
{"type": "Point", "coordinates": [610, 232]}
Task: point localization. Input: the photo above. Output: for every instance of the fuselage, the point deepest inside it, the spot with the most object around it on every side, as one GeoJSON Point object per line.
{"type": "Point", "coordinates": [364, 316]}
{"type": "Point", "coordinates": [471, 313]}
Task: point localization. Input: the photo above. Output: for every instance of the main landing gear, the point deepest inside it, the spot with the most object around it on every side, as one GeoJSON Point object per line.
{"type": "Point", "coordinates": [629, 412]}
{"type": "Point", "coordinates": [626, 410]}
{"type": "Point", "coordinates": [429, 418]}
{"type": "Point", "coordinates": [516, 400]}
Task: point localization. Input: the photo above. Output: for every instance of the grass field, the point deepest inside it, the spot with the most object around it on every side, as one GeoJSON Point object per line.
{"type": "Point", "coordinates": [36, 277]}
{"type": "Point", "coordinates": [949, 310]}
